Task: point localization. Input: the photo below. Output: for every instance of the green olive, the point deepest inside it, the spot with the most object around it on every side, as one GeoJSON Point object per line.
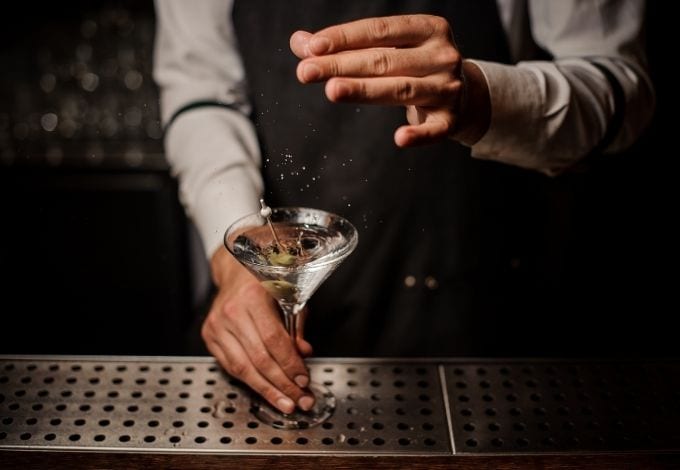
{"type": "Point", "coordinates": [280, 289]}
{"type": "Point", "coordinates": [281, 259]}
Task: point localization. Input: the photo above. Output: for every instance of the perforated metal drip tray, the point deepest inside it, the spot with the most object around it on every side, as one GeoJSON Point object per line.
{"type": "Point", "coordinates": [158, 404]}
{"type": "Point", "coordinates": [140, 404]}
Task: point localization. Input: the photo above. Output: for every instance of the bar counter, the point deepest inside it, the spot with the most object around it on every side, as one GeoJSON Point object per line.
{"type": "Point", "coordinates": [184, 412]}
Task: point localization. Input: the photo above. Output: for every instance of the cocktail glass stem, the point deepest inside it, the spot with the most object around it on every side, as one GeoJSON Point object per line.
{"type": "Point", "coordinates": [292, 318]}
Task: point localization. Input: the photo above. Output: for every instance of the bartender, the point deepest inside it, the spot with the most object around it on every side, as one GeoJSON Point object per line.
{"type": "Point", "coordinates": [505, 96]}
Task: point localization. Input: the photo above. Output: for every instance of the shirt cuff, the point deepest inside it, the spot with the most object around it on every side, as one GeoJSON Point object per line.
{"type": "Point", "coordinates": [516, 110]}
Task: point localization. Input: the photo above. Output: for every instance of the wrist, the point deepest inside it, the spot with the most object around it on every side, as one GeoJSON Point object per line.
{"type": "Point", "coordinates": [224, 266]}
{"type": "Point", "coordinates": [474, 115]}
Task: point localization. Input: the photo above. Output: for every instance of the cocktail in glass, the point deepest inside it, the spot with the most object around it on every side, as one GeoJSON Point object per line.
{"type": "Point", "coordinates": [291, 252]}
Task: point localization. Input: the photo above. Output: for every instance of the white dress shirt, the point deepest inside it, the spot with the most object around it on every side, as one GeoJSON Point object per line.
{"type": "Point", "coordinates": [545, 115]}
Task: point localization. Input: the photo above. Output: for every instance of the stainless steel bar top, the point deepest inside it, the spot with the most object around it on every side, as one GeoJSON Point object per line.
{"type": "Point", "coordinates": [388, 407]}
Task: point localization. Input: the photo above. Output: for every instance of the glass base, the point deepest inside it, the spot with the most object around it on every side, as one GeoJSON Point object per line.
{"type": "Point", "coordinates": [322, 410]}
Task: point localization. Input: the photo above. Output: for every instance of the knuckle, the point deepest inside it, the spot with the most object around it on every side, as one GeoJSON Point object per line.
{"type": "Point", "coordinates": [380, 28]}
{"type": "Point", "coordinates": [380, 63]}
{"type": "Point", "coordinates": [237, 369]}
{"type": "Point", "coordinates": [449, 57]}
{"type": "Point", "coordinates": [271, 337]}
{"type": "Point", "coordinates": [404, 91]}
{"type": "Point", "coordinates": [439, 25]}
{"type": "Point", "coordinates": [260, 359]}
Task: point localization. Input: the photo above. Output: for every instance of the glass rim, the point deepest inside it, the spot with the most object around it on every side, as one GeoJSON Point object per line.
{"type": "Point", "coordinates": [318, 263]}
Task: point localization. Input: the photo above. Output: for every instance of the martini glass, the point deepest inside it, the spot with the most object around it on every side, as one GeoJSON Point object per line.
{"type": "Point", "coordinates": [292, 251]}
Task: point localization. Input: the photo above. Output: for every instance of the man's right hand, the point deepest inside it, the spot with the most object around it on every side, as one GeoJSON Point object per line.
{"type": "Point", "coordinates": [243, 330]}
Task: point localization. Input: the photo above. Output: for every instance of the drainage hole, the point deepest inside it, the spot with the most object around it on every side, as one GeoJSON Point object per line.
{"type": "Point", "coordinates": [548, 441]}
{"type": "Point", "coordinates": [399, 397]}
{"type": "Point", "coordinates": [117, 381]}
{"type": "Point", "coordinates": [15, 406]}
{"type": "Point", "coordinates": [352, 411]}
{"type": "Point", "coordinates": [189, 368]}
{"type": "Point", "coordinates": [153, 423]}
{"type": "Point", "coordinates": [253, 424]}
{"type": "Point", "coordinates": [379, 441]}
{"type": "Point", "coordinates": [275, 440]}
{"type": "Point", "coordinates": [66, 393]}
{"type": "Point", "coordinates": [400, 411]}
{"type": "Point", "coordinates": [515, 411]}
{"type": "Point", "coordinates": [469, 427]}
{"type": "Point", "coordinates": [425, 411]}
{"type": "Point", "coordinates": [175, 439]}
{"type": "Point", "coordinates": [156, 409]}
{"type": "Point", "coordinates": [113, 394]}
{"type": "Point", "coordinates": [352, 383]}
{"type": "Point", "coordinates": [230, 409]}
{"type": "Point", "coordinates": [522, 442]}
{"type": "Point", "coordinates": [82, 407]}
{"type": "Point", "coordinates": [327, 425]}
{"type": "Point", "coordinates": [44, 393]}
{"type": "Point", "coordinates": [26, 436]}
{"type": "Point", "coordinates": [399, 383]}
{"type": "Point", "coordinates": [424, 397]}
{"type": "Point", "coordinates": [461, 385]}
{"type": "Point", "coordinates": [377, 411]}
{"type": "Point", "coordinates": [328, 383]}
{"type": "Point", "coordinates": [378, 426]}
{"type": "Point", "coordinates": [50, 437]}
{"type": "Point", "coordinates": [202, 424]}
{"type": "Point", "coordinates": [20, 393]}
{"type": "Point", "coordinates": [200, 439]}
{"type": "Point", "coordinates": [429, 441]}
{"type": "Point", "coordinates": [466, 412]}
{"type": "Point", "coordinates": [208, 395]}
{"type": "Point", "coordinates": [181, 409]}
{"type": "Point", "coordinates": [227, 440]}
{"type": "Point", "coordinates": [160, 395]}
{"type": "Point", "coordinates": [10, 420]}
{"type": "Point", "coordinates": [232, 395]}
{"type": "Point", "coordinates": [494, 427]}
{"type": "Point", "coordinates": [351, 425]}
{"type": "Point", "coordinates": [124, 438]}
{"type": "Point", "coordinates": [403, 426]}
{"type": "Point", "coordinates": [226, 424]}
{"type": "Point", "coordinates": [375, 383]}
{"type": "Point", "coordinates": [463, 398]}
{"type": "Point", "coordinates": [149, 439]}
{"type": "Point", "coordinates": [404, 441]}
{"type": "Point", "coordinates": [187, 382]}
{"type": "Point", "coordinates": [53, 422]}
{"type": "Point", "coordinates": [70, 380]}
{"type": "Point", "coordinates": [428, 426]}
{"type": "Point", "coordinates": [251, 440]}
{"type": "Point", "coordinates": [140, 381]}
{"type": "Point", "coordinates": [89, 394]}
{"type": "Point", "coordinates": [471, 443]}
{"type": "Point", "coordinates": [352, 441]}
{"type": "Point", "coordinates": [519, 426]}
{"type": "Point", "coordinates": [3, 435]}
{"type": "Point", "coordinates": [178, 424]}
{"type": "Point", "coordinates": [104, 422]}
{"type": "Point", "coordinates": [136, 394]}
{"type": "Point", "coordinates": [128, 423]}
{"type": "Point", "coordinates": [132, 408]}
{"type": "Point", "coordinates": [74, 437]}
{"type": "Point", "coordinates": [327, 441]}
{"type": "Point", "coordinates": [328, 370]}
{"type": "Point", "coordinates": [301, 440]}
{"type": "Point", "coordinates": [79, 422]}
{"type": "Point", "coordinates": [497, 442]}
{"type": "Point", "coordinates": [31, 421]}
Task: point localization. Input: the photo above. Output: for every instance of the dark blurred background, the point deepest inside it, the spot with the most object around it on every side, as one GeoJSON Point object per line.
{"type": "Point", "coordinates": [97, 257]}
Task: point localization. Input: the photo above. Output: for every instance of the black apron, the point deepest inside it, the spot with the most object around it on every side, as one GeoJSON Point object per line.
{"type": "Point", "coordinates": [464, 232]}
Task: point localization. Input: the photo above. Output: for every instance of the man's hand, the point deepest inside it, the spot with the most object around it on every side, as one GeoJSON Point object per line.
{"type": "Point", "coordinates": [243, 330]}
{"type": "Point", "coordinates": [409, 60]}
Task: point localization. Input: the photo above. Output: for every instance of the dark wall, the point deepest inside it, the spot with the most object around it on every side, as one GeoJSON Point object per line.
{"type": "Point", "coordinates": [93, 248]}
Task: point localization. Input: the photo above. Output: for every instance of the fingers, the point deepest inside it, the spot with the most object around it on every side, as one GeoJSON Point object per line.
{"type": "Point", "coordinates": [380, 62]}
{"type": "Point", "coordinates": [427, 132]}
{"type": "Point", "coordinates": [231, 355]}
{"type": "Point", "coordinates": [391, 31]}
{"type": "Point", "coordinates": [244, 331]}
{"type": "Point", "coordinates": [299, 44]}
{"type": "Point", "coordinates": [430, 91]}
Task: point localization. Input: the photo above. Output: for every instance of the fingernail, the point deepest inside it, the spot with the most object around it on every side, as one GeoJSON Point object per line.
{"type": "Point", "coordinates": [311, 72]}
{"type": "Point", "coordinates": [285, 404]}
{"type": "Point", "coordinates": [306, 403]}
{"type": "Point", "coordinates": [319, 45]}
{"type": "Point", "coordinates": [302, 381]}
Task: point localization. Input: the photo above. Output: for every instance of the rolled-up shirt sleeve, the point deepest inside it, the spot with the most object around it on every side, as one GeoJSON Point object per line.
{"type": "Point", "coordinates": [212, 149]}
{"type": "Point", "coordinates": [547, 115]}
